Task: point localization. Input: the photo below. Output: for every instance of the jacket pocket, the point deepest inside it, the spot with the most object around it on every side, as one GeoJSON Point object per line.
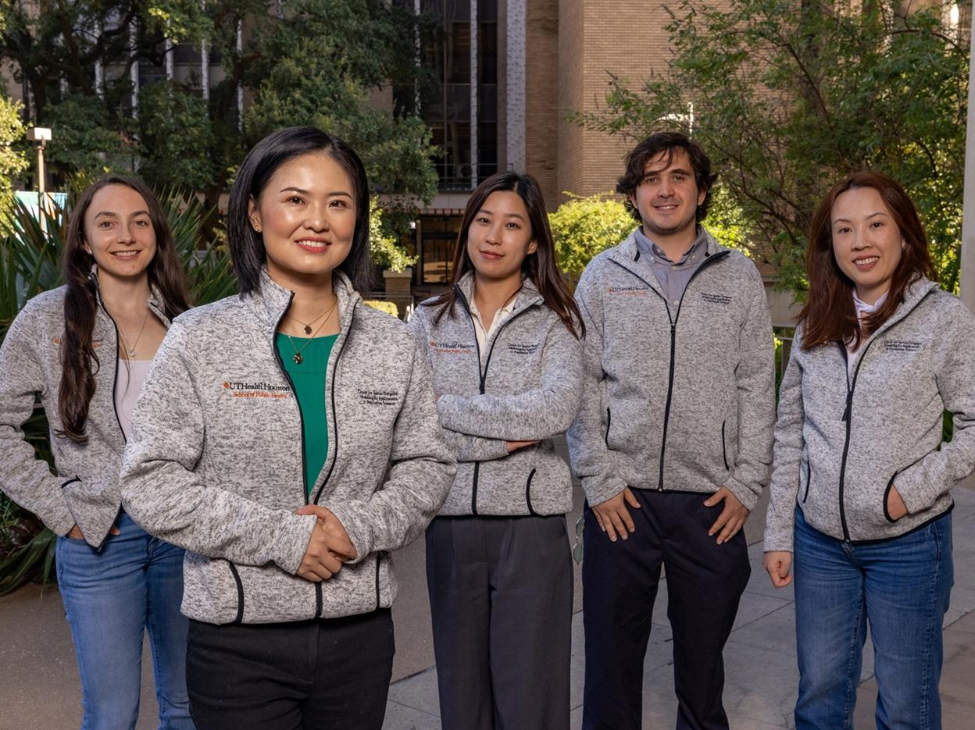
{"type": "Point", "coordinates": [890, 485]}
{"type": "Point", "coordinates": [808, 481]}
{"type": "Point", "coordinates": [70, 481]}
{"type": "Point", "coordinates": [609, 420]}
{"type": "Point", "coordinates": [528, 492]}
{"type": "Point", "coordinates": [724, 447]}
{"type": "Point", "coordinates": [240, 593]}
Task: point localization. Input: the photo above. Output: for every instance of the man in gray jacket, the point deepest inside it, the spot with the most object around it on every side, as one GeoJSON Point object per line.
{"type": "Point", "coordinates": [673, 442]}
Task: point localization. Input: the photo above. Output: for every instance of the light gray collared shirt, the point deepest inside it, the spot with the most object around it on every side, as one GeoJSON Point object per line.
{"type": "Point", "coordinates": [672, 275]}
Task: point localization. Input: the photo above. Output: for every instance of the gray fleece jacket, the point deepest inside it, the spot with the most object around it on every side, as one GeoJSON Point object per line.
{"type": "Point", "coordinates": [675, 398]}
{"type": "Point", "coordinates": [215, 464]}
{"type": "Point", "coordinates": [86, 490]}
{"type": "Point", "coordinates": [842, 442]}
{"type": "Point", "coordinates": [526, 386]}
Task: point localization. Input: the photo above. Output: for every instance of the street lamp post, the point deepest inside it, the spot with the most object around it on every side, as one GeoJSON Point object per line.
{"type": "Point", "coordinates": [40, 136]}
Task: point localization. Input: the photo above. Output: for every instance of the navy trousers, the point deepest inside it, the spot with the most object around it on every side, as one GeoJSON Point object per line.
{"type": "Point", "coordinates": [704, 584]}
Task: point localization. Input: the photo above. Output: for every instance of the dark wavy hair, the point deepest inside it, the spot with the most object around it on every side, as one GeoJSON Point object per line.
{"type": "Point", "coordinates": [540, 267]}
{"type": "Point", "coordinates": [247, 245]}
{"type": "Point", "coordinates": [829, 313]}
{"type": "Point", "coordinates": [79, 362]}
{"type": "Point", "coordinates": [669, 143]}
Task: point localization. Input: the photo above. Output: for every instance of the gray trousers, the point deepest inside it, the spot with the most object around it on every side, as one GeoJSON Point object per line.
{"type": "Point", "coordinates": [501, 603]}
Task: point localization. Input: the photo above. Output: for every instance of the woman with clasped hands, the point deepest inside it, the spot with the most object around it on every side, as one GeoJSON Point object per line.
{"type": "Point", "coordinates": [860, 504]}
{"type": "Point", "coordinates": [289, 441]}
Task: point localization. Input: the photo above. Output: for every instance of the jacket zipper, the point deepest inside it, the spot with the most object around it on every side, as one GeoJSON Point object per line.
{"type": "Point", "coordinates": [848, 411]}
{"type": "Point", "coordinates": [482, 372]}
{"type": "Point", "coordinates": [301, 419]}
{"type": "Point", "coordinates": [673, 348]}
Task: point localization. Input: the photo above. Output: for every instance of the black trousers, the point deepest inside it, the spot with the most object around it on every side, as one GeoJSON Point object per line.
{"type": "Point", "coordinates": [501, 604]}
{"type": "Point", "coordinates": [704, 584]}
{"type": "Point", "coordinates": [309, 675]}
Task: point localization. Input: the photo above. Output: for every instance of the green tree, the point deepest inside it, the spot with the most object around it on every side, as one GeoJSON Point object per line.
{"type": "Point", "coordinates": [788, 96]}
{"type": "Point", "coordinates": [383, 249]}
{"type": "Point", "coordinates": [582, 227]}
{"type": "Point", "coordinates": [12, 160]}
{"type": "Point", "coordinates": [319, 62]}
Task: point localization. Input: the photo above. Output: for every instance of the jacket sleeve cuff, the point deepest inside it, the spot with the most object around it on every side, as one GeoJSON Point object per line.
{"type": "Point", "coordinates": [917, 496]}
{"type": "Point", "coordinates": [59, 524]}
{"type": "Point", "coordinates": [348, 515]}
{"type": "Point", "coordinates": [603, 490]}
{"type": "Point", "coordinates": [292, 542]}
{"type": "Point", "coordinates": [742, 493]}
{"type": "Point", "coordinates": [780, 541]}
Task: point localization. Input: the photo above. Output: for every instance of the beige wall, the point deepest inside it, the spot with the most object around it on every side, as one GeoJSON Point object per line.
{"type": "Point", "coordinates": [541, 128]}
{"type": "Point", "coordinates": [598, 37]}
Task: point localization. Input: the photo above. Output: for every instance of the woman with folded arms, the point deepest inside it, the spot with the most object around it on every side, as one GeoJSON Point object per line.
{"type": "Point", "coordinates": [85, 348]}
{"type": "Point", "coordinates": [288, 439]}
{"type": "Point", "coordinates": [860, 504]}
{"type": "Point", "coordinates": [505, 343]}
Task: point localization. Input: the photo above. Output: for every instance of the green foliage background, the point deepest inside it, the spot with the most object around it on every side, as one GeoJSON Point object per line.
{"type": "Point", "coordinates": [788, 96]}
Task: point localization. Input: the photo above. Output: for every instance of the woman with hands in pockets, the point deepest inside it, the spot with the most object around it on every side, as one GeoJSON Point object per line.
{"type": "Point", "coordinates": [85, 349]}
{"type": "Point", "coordinates": [289, 441]}
{"type": "Point", "coordinates": [860, 497]}
{"type": "Point", "coordinates": [505, 345]}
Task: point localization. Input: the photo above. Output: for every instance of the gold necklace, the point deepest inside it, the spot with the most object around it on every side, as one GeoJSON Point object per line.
{"type": "Point", "coordinates": [131, 351]}
{"type": "Point", "coordinates": [307, 325]}
{"type": "Point", "coordinates": [297, 358]}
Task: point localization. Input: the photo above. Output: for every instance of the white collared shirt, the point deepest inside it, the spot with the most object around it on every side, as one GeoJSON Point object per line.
{"type": "Point", "coordinates": [500, 316]}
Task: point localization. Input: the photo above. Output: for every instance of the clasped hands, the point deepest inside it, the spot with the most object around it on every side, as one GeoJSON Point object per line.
{"type": "Point", "coordinates": [328, 547]}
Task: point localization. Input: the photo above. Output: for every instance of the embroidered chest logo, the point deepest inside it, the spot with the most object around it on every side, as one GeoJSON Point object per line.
{"type": "Point", "coordinates": [902, 345]}
{"type": "Point", "coordinates": [452, 348]}
{"type": "Point", "coordinates": [522, 348]}
{"type": "Point", "coordinates": [241, 389]}
{"type": "Point", "coordinates": [710, 298]}
{"type": "Point", "coordinates": [632, 291]}
{"type": "Point", "coordinates": [376, 397]}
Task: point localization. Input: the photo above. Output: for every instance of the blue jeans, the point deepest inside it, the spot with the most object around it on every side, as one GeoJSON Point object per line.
{"type": "Point", "coordinates": [111, 596]}
{"type": "Point", "coordinates": [901, 587]}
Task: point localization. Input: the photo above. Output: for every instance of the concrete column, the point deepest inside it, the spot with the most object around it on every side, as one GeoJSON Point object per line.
{"type": "Point", "coordinates": [517, 17]}
{"type": "Point", "coordinates": [134, 68]}
{"type": "Point", "coordinates": [474, 176]}
{"type": "Point", "coordinates": [968, 211]}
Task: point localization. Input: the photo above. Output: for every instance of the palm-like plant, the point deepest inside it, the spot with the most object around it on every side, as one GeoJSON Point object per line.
{"type": "Point", "coordinates": [30, 264]}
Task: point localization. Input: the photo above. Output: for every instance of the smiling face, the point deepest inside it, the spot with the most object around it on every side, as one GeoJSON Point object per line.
{"type": "Point", "coordinates": [667, 197]}
{"type": "Point", "coordinates": [306, 215]}
{"type": "Point", "coordinates": [118, 232]}
{"type": "Point", "coordinates": [500, 236]}
{"type": "Point", "coordinates": [867, 243]}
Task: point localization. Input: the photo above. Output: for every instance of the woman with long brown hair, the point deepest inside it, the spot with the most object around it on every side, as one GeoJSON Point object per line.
{"type": "Point", "coordinates": [85, 349]}
{"type": "Point", "coordinates": [860, 497]}
{"type": "Point", "coordinates": [505, 345]}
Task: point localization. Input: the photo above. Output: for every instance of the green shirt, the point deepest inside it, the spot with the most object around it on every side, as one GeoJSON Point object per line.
{"type": "Point", "coordinates": [309, 383]}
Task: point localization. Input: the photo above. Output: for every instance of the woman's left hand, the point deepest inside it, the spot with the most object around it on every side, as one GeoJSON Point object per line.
{"type": "Point", "coordinates": [895, 505]}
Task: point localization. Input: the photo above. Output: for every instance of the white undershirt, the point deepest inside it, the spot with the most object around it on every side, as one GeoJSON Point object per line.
{"type": "Point", "coordinates": [128, 383]}
{"type": "Point", "coordinates": [499, 317]}
{"type": "Point", "coordinates": [863, 309]}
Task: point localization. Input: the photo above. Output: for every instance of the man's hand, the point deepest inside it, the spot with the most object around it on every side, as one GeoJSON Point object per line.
{"type": "Point", "coordinates": [732, 517]}
{"type": "Point", "coordinates": [614, 517]}
{"type": "Point", "coordinates": [337, 539]}
{"type": "Point", "coordinates": [777, 565]}
{"type": "Point", "coordinates": [895, 505]}
{"type": "Point", "coordinates": [515, 445]}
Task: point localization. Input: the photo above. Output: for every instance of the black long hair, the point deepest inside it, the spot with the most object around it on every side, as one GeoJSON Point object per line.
{"type": "Point", "coordinates": [540, 267]}
{"type": "Point", "coordinates": [247, 245]}
{"type": "Point", "coordinates": [79, 363]}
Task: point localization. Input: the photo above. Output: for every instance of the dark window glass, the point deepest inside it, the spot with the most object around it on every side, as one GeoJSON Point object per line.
{"type": "Point", "coordinates": [487, 53]}
{"type": "Point", "coordinates": [438, 240]}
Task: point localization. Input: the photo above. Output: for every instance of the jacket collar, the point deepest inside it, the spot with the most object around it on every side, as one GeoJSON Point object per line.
{"type": "Point", "coordinates": [913, 296]}
{"type": "Point", "coordinates": [156, 301]}
{"type": "Point", "coordinates": [272, 301]}
{"type": "Point", "coordinates": [527, 297]}
{"type": "Point", "coordinates": [628, 252]}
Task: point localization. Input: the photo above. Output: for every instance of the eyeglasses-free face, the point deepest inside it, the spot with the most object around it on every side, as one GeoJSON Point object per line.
{"type": "Point", "coordinates": [306, 215]}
